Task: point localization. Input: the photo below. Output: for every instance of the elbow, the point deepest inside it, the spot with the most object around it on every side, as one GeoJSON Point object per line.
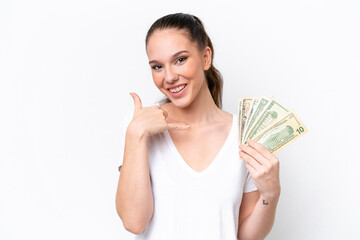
{"type": "Point", "coordinates": [250, 238]}
{"type": "Point", "coordinates": [134, 229]}
{"type": "Point", "coordinates": [131, 226]}
{"type": "Point", "coordinates": [129, 222]}
{"type": "Point", "coordinates": [135, 219]}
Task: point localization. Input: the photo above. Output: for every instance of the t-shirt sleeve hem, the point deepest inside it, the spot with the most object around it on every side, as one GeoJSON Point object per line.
{"type": "Point", "coordinates": [250, 189]}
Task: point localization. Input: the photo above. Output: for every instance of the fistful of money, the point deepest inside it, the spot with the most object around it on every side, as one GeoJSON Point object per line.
{"type": "Point", "coordinates": [268, 122]}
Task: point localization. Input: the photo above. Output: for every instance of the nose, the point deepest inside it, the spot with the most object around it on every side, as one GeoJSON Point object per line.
{"type": "Point", "coordinates": [170, 75]}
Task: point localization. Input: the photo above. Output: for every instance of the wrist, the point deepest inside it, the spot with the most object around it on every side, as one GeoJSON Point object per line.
{"type": "Point", "coordinates": [136, 132]}
{"type": "Point", "coordinates": [269, 198]}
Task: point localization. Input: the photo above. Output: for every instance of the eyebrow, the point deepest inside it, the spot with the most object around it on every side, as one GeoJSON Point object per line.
{"type": "Point", "coordinates": [173, 56]}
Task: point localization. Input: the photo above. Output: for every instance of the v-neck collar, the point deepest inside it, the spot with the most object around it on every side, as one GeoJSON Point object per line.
{"type": "Point", "coordinates": [209, 168]}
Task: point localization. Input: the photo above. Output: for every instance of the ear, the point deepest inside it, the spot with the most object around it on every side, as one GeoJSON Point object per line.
{"type": "Point", "coordinates": [207, 58]}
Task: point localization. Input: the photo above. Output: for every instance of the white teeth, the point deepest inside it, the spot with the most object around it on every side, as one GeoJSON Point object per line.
{"type": "Point", "coordinates": [175, 90]}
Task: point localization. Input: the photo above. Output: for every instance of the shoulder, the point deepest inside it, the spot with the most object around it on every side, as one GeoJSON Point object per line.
{"type": "Point", "coordinates": [228, 117]}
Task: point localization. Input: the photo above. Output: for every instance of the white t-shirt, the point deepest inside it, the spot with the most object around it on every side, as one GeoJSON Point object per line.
{"type": "Point", "coordinates": [190, 205]}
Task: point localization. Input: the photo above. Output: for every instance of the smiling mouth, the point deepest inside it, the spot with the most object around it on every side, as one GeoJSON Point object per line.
{"type": "Point", "coordinates": [177, 89]}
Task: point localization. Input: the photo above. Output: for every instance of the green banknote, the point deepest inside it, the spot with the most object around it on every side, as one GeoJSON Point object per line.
{"type": "Point", "coordinates": [272, 112]}
{"type": "Point", "coordinates": [256, 108]}
{"type": "Point", "coordinates": [282, 133]}
{"type": "Point", "coordinates": [244, 109]}
{"type": "Point", "coordinates": [268, 122]}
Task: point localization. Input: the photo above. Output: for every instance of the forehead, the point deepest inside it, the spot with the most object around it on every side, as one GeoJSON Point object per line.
{"type": "Point", "coordinates": [164, 43]}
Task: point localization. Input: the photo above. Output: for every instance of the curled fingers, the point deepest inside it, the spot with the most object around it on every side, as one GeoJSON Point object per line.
{"type": "Point", "coordinates": [255, 155]}
{"type": "Point", "coordinates": [249, 160]}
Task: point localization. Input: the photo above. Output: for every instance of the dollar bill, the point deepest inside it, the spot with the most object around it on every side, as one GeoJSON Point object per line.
{"type": "Point", "coordinates": [256, 108]}
{"type": "Point", "coordinates": [253, 105]}
{"type": "Point", "coordinates": [283, 132]}
{"type": "Point", "coordinates": [244, 108]}
{"type": "Point", "coordinates": [272, 112]}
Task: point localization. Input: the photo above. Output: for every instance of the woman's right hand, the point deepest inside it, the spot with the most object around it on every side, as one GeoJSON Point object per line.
{"type": "Point", "coordinates": [151, 120]}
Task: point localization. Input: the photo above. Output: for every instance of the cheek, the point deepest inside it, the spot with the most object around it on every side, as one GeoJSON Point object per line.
{"type": "Point", "coordinates": [192, 70]}
{"type": "Point", "coordinates": [157, 79]}
{"type": "Point", "coordinates": [197, 74]}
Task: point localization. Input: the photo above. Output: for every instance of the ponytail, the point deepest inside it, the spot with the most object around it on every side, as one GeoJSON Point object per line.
{"type": "Point", "coordinates": [214, 79]}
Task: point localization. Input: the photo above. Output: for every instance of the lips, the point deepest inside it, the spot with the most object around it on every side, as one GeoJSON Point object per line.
{"type": "Point", "coordinates": [178, 91]}
{"type": "Point", "coordinates": [177, 88]}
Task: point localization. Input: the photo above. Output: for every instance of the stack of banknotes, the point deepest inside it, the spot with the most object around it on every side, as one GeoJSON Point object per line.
{"type": "Point", "coordinates": [268, 122]}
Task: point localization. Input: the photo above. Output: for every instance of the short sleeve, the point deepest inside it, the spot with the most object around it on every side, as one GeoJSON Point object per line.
{"type": "Point", "coordinates": [123, 126]}
{"type": "Point", "coordinates": [249, 185]}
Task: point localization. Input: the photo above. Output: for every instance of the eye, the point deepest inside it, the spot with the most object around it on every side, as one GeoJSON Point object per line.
{"type": "Point", "coordinates": [182, 59]}
{"type": "Point", "coordinates": [156, 67]}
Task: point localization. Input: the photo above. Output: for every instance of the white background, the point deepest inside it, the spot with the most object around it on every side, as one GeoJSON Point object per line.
{"type": "Point", "coordinates": [66, 70]}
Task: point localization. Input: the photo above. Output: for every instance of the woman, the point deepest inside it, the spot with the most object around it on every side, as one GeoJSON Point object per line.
{"type": "Point", "coordinates": [183, 174]}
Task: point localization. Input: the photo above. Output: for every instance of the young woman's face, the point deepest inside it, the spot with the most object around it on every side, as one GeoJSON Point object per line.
{"type": "Point", "coordinates": [177, 65]}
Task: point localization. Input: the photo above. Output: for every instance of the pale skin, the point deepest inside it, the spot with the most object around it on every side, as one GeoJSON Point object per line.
{"type": "Point", "coordinates": [175, 60]}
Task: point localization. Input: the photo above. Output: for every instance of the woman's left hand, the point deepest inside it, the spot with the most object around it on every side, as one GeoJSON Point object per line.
{"type": "Point", "coordinates": [263, 167]}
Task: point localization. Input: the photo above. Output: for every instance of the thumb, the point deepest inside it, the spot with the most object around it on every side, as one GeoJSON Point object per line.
{"type": "Point", "coordinates": [137, 101]}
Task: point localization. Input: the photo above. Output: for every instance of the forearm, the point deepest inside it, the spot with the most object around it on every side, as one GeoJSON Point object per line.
{"type": "Point", "coordinates": [134, 198]}
{"type": "Point", "coordinates": [257, 225]}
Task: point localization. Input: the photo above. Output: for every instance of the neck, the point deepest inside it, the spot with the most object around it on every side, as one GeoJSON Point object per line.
{"type": "Point", "coordinates": [202, 110]}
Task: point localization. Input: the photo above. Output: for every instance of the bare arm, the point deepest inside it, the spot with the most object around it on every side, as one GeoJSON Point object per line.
{"type": "Point", "coordinates": [248, 204]}
{"type": "Point", "coordinates": [134, 196]}
{"type": "Point", "coordinates": [258, 224]}
{"type": "Point", "coordinates": [264, 169]}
